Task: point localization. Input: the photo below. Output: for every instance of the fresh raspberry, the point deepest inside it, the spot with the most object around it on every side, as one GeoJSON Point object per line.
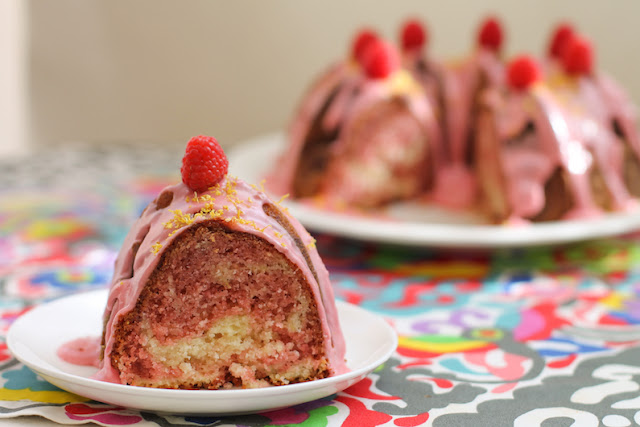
{"type": "Point", "coordinates": [380, 59]}
{"type": "Point", "coordinates": [204, 163]}
{"type": "Point", "coordinates": [360, 42]}
{"type": "Point", "coordinates": [578, 56]}
{"type": "Point", "coordinates": [522, 72]}
{"type": "Point", "coordinates": [559, 39]}
{"type": "Point", "coordinates": [490, 34]}
{"type": "Point", "coordinates": [413, 35]}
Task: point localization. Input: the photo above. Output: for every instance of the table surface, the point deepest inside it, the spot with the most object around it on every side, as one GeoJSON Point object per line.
{"type": "Point", "coordinates": [530, 336]}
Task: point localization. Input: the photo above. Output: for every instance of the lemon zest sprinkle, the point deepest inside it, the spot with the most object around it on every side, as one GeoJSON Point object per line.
{"type": "Point", "coordinates": [208, 210]}
{"type": "Point", "coordinates": [282, 198]}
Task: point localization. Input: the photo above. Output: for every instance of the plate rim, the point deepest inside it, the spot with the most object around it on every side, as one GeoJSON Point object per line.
{"type": "Point", "coordinates": [424, 234]}
{"type": "Point", "coordinates": [46, 370]}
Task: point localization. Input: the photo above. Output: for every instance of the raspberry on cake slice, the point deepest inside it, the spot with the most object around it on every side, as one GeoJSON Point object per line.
{"type": "Point", "coordinates": [216, 286]}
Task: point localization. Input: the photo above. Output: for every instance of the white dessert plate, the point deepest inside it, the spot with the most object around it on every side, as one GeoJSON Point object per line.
{"type": "Point", "coordinates": [35, 336]}
{"type": "Point", "coordinates": [413, 224]}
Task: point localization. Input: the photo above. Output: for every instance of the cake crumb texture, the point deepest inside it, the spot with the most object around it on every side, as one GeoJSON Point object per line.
{"type": "Point", "coordinates": [222, 309]}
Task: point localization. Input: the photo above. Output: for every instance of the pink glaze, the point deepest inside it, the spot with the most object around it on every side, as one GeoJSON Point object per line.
{"type": "Point", "coordinates": [240, 207]}
{"type": "Point", "coordinates": [619, 107]}
{"type": "Point", "coordinates": [461, 85]}
{"type": "Point", "coordinates": [593, 103]}
{"type": "Point", "coordinates": [340, 106]}
{"type": "Point", "coordinates": [280, 181]}
{"type": "Point", "coordinates": [371, 167]}
{"type": "Point", "coordinates": [601, 140]}
{"type": "Point", "coordinates": [527, 166]}
{"type": "Point", "coordinates": [82, 351]}
{"type": "Point", "coordinates": [572, 131]}
{"type": "Point", "coordinates": [456, 186]}
{"type": "Point", "coordinates": [430, 74]}
{"type": "Point", "coordinates": [425, 71]}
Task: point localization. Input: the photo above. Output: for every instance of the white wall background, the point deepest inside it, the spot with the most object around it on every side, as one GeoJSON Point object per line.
{"type": "Point", "coordinates": [162, 71]}
{"type": "Point", "coordinates": [13, 78]}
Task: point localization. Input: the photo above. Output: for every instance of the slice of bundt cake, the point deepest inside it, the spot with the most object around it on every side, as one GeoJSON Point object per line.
{"type": "Point", "coordinates": [215, 287]}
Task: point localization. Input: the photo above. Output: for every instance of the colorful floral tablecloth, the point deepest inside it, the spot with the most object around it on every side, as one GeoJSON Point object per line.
{"type": "Point", "coordinates": [532, 336]}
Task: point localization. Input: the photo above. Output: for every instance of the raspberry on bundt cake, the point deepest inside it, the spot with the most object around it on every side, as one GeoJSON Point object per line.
{"type": "Point", "coordinates": [594, 97]}
{"type": "Point", "coordinates": [414, 42]}
{"type": "Point", "coordinates": [463, 83]}
{"type": "Point", "coordinates": [551, 152]}
{"type": "Point", "coordinates": [316, 123]}
{"type": "Point", "coordinates": [536, 143]}
{"type": "Point", "coordinates": [558, 40]}
{"type": "Point", "coordinates": [522, 168]}
{"type": "Point", "coordinates": [369, 143]}
{"type": "Point", "coordinates": [216, 286]}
